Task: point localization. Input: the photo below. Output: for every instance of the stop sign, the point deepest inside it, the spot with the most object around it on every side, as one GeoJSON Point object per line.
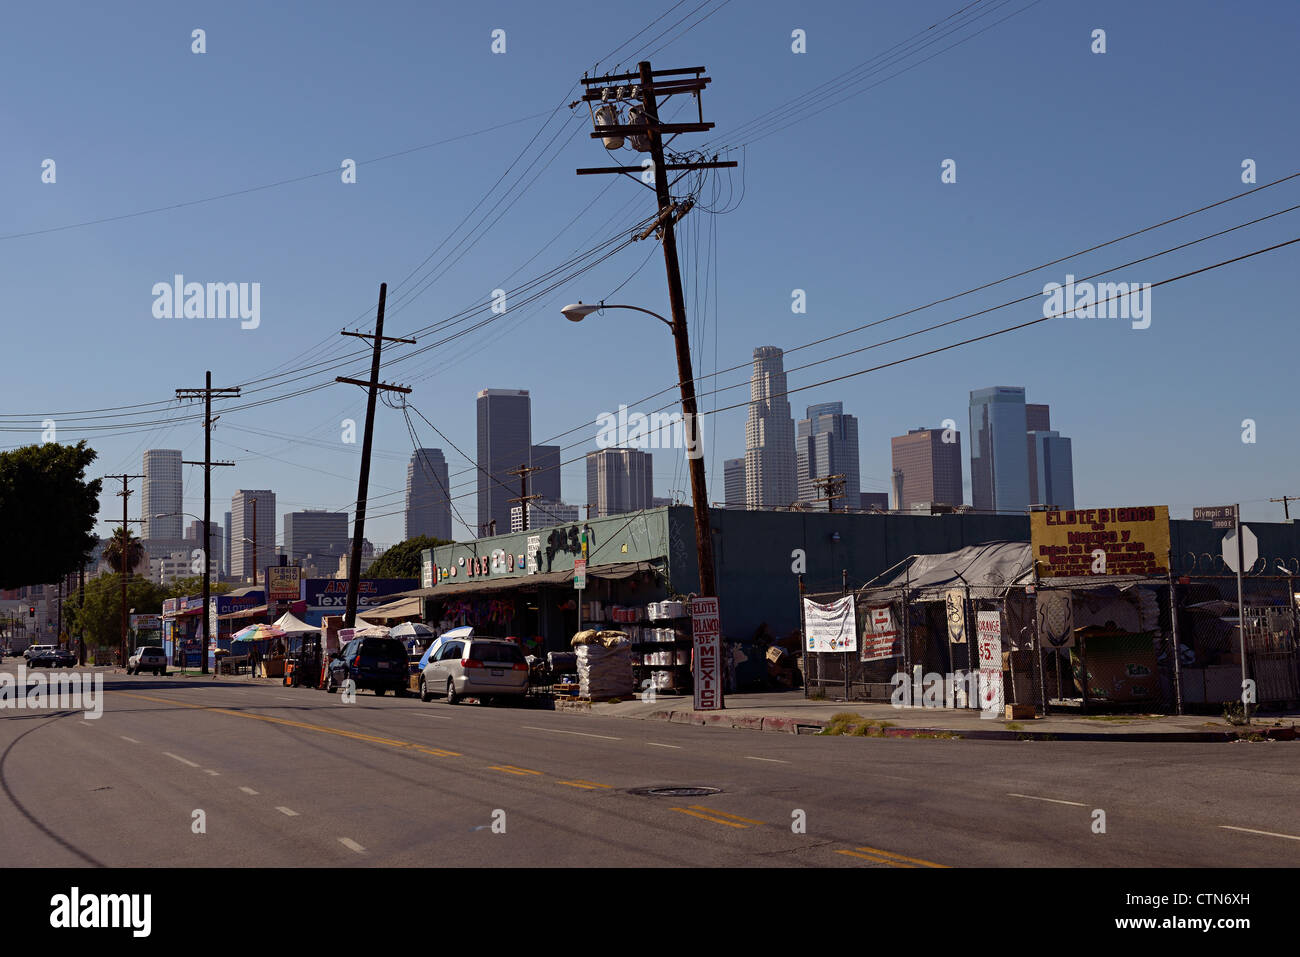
{"type": "Point", "coordinates": [1249, 549]}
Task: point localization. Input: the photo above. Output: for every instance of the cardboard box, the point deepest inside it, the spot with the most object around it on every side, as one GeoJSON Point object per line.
{"type": "Point", "coordinates": [775, 654]}
{"type": "Point", "coordinates": [1018, 712]}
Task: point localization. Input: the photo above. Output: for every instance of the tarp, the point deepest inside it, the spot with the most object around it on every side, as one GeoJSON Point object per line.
{"type": "Point", "coordinates": [290, 625]}
{"type": "Point", "coordinates": [980, 566]}
{"type": "Point", "coordinates": [402, 608]}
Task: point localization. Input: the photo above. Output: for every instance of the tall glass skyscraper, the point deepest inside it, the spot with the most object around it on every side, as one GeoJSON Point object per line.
{"type": "Point", "coordinates": [1051, 469]}
{"type": "Point", "coordinates": [770, 476]}
{"type": "Point", "coordinates": [161, 495]}
{"type": "Point", "coordinates": [504, 442]}
{"type": "Point", "coordinates": [826, 443]}
{"type": "Point", "coordinates": [999, 460]}
{"type": "Point", "coordinates": [428, 508]}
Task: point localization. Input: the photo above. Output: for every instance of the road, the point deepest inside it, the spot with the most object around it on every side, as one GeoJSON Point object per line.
{"type": "Point", "coordinates": [188, 772]}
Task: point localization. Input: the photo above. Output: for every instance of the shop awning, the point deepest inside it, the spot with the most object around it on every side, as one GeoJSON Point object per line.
{"type": "Point", "coordinates": [402, 608]}
{"type": "Point", "coordinates": [615, 571]}
{"type": "Point", "coordinates": [243, 613]}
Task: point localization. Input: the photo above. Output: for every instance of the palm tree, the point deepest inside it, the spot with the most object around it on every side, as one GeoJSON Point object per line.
{"type": "Point", "coordinates": [123, 540]}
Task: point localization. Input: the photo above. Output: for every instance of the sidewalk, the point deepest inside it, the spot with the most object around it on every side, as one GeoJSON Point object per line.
{"type": "Point", "coordinates": [791, 713]}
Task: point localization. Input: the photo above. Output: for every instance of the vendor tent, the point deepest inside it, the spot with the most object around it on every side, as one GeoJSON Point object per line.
{"type": "Point", "coordinates": [290, 625]}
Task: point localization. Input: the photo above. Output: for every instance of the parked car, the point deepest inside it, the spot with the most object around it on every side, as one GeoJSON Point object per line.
{"type": "Point", "coordinates": [375, 663]}
{"type": "Point", "coordinates": [451, 634]}
{"type": "Point", "coordinates": [41, 656]}
{"type": "Point", "coordinates": [147, 658]}
{"type": "Point", "coordinates": [483, 668]}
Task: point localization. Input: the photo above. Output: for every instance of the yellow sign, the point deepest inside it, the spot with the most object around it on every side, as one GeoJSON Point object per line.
{"type": "Point", "coordinates": [1101, 541]}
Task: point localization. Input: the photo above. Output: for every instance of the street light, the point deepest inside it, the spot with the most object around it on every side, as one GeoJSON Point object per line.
{"type": "Point", "coordinates": [578, 311]}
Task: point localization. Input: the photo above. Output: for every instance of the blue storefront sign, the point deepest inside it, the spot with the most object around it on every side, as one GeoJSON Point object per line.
{"type": "Point", "coordinates": [329, 596]}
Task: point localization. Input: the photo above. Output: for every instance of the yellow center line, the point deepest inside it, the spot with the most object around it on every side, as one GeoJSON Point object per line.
{"type": "Point", "coordinates": [511, 769]}
{"type": "Point", "coordinates": [715, 820]}
{"type": "Point", "coordinates": [355, 735]}
{"type": "Point", "coordinates": [873, 858]}
{"type": "Point", "coordinates": [586, 785]}
{"type": "Point", "coordinates": [902, 857]}
{"type": "Point", "coordinates": [734, 817]}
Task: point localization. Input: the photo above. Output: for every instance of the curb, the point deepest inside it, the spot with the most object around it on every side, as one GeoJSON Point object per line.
{"type": "Point", "coordinates": [789, 725]}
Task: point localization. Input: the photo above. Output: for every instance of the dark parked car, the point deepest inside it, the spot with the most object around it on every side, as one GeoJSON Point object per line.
{"type": "Point", "coordinates": [379, 664]}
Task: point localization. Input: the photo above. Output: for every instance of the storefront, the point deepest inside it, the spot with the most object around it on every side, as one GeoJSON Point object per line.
{"type": "Point", "coordinates": [181, 618]}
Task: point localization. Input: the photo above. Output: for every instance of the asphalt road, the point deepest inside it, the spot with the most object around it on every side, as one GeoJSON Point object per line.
{"type": "Point", "coordinates": [290, 777]}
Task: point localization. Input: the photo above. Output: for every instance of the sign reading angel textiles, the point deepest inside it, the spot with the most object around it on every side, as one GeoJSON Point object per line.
{"type": "Point", "coordinates": [707, 633]}
{"type": "Point", "coordinates": [1101, 541]}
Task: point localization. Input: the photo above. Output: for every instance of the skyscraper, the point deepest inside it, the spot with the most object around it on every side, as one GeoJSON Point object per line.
{"type": "Point", "coordinates": [161, 495]}
{"type": "Point", "coordinates": [242, 535]}
{"type": "Point", "coordinates": [619, 480]}
{"type": "Point", "coordinates": [929, 467]}
{"type": "Point", "coordinates": [1051, 465]}
{"type": "Point", "coordinates": [216, 541]}
{"type": "Point", "coordinates": [428, 509]}
{"type": "Point", "coordinates": [999, 459]}
{"type": "Point", "coordinates": [733, 471]}
{"type": "Point", "coordinates": [317, 533]}
{"type": "Point", "coordinates": [770, 476]}
{"type": "Point", "coordinates": [545, 482]}
{"type": "Point", "coordinates": [225, 542]}
{"type": "Point", "coordinates": [826, 443]}
{"type": "Point", "coordinates": [504, 443]}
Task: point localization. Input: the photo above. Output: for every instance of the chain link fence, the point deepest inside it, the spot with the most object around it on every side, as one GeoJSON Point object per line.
{"type": "Point", "coordinates": [1155, 645]}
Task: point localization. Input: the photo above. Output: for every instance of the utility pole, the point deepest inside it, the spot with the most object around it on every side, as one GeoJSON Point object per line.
{"type": "Point", "coordinates": [81, 614]}
{"type": "Point", "coordinates": [831, 487]}
{"type": "Point", "coordinates": [207, 392]}
{"type": "Point", "coordinates": [524, 498]}
{"type": "Point", "coordinates": [647, 135]}
{"type": "Point", "coordinates": [126, 539]}
{"type": "Point", "coordinates": [1286, 511]}
{"type": "Point", "coordinates": [363, 481]}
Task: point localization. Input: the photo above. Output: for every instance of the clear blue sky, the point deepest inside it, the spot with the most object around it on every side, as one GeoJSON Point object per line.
{"type": "Point", "coordinates": [1056, 149]}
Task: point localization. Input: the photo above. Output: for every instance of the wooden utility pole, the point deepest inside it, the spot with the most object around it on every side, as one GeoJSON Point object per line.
{"type": "Point", "coordinates": [1286, 511]}
{"type": "Point", "coordinates": [831, 487]}
{"type": "Point", "coordinates": [126, 539]}
{"type": "Point", "coordinates": [646, 90]}
{"type": "Point", "coordinates": [207, 392]}
{"type": "Point", "coordinates": [524, 498]}
{"type": "Point", "coordinates": [363, 481]}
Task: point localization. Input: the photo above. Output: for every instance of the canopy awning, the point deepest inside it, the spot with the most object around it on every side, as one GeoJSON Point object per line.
{"type": "Point", "coordinates": [614, 571]}
{"type": "Point", "coordinates": [394, 610]}
{"type": "Point", "coordinates": [243, 613]}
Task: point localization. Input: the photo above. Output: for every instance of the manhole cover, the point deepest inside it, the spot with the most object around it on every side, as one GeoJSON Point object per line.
{"type": "Point", "coordinates": [677, 791]}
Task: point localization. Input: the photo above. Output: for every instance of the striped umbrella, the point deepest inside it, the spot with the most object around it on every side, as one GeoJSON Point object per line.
{"type": "Point", "coordinates": [258, 632]}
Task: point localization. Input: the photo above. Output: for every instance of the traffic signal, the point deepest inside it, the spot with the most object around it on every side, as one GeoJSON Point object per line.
{"type": "Point", "coordinates": [31, 611]}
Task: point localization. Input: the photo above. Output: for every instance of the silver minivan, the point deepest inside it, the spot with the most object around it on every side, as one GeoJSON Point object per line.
{"type": "Point", "coordinates": [483, 668]}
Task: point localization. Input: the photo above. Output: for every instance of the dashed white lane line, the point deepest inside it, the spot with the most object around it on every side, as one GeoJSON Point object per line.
{"type": "Point", "coordinates": [1031, 797]}
{"type": "Point", "coordinates": [287, 811]}
{"type": "Point", "coordinates": [529, 727]}
{"type": "Point", "coordinates": [656, 744]}
{"type": "Point", "coordinates": [180, 759]}
{"type": "Point", "coordinates": [352, 845]}
{"type": "Point", "coordinates": [246, 789]}
{"type": "Point", "coordinates": [125, 738]}
{"type": "Point", "coordinates": [1289, 837]}
{"type": "Point", "coordinates": [215, 774]}
{"type": "Point", "coordinates": [425, 714]}
{"type": "Point", "coordinates": [750, 757]}
{"type": "Point", "coordinates": [284, 697]}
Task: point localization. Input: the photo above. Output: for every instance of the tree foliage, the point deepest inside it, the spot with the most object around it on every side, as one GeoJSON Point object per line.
{"type": "Point", "coordinates": [403, 560]}
{"type": "Point", "coordinates": [122, 541]}
{"type": "Point", "coordinates": [47, 511]}
{"type": "Point", "coordinates": [193, 585]}
{"type": "Point", "coordinates": [101, 613]}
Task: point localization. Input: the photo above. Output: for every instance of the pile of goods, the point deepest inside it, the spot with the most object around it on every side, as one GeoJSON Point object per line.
{"type": "Point", "coordinates": [604, 665]}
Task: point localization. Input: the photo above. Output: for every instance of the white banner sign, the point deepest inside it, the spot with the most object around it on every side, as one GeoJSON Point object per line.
{"type": "Point", "coordinates": [830, 627]}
